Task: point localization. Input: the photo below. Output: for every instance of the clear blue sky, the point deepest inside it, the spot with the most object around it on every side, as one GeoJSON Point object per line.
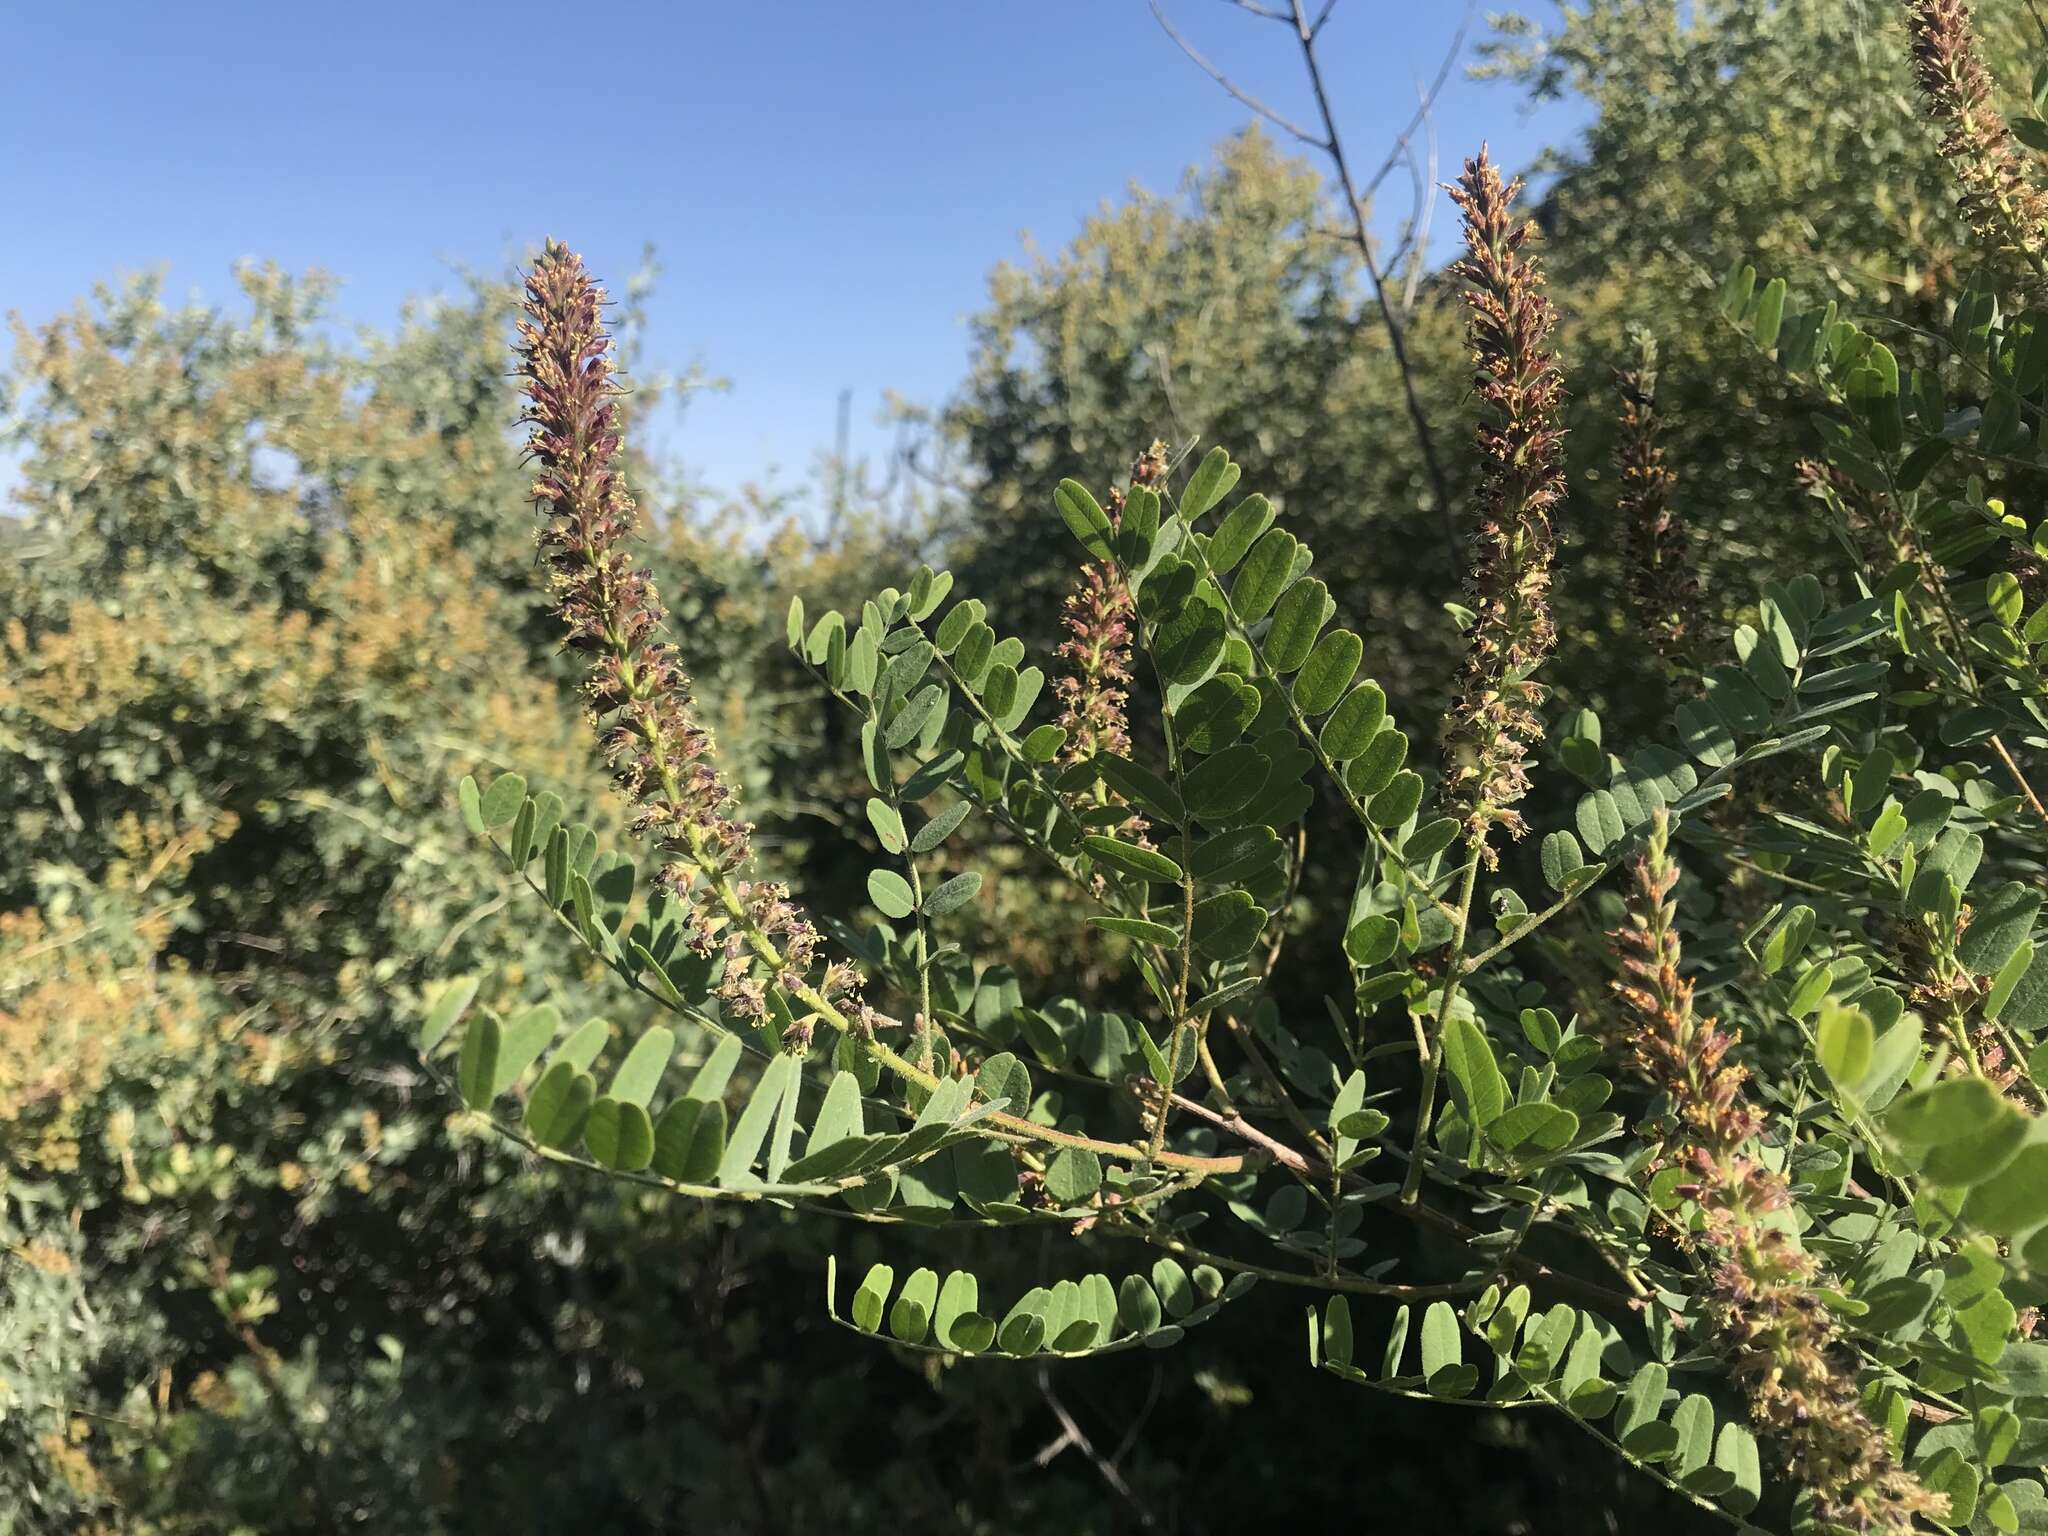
{"type": "Point", "coordinates": [827, 184]}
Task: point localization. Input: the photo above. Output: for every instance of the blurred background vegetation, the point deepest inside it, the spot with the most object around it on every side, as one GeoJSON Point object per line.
{"type": "Point", "coordinates": [265, 597]}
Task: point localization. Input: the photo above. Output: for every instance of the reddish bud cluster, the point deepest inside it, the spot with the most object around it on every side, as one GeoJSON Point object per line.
{"type": "Point", "coordinates": [1508, 322]}
{"type": "Point", "coordinates": [1101, 624]}
{"type": "Point", "coordinates": [1999, 198]}
{"type": "Point", "coordinates": [1764, 1303]}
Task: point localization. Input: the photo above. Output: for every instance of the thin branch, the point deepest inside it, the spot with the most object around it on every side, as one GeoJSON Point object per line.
{"type": "Point", "coordinates": [1072, 1434]}
{"type": "Point", "coordinates": [1333, 143]}
{"type": "Point", "coordinates": [1425, 109]}
{"type": "Point", "coordinates": [1285, 124]}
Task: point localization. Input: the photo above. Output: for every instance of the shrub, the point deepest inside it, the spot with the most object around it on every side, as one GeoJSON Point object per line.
{"type": "Point", "coordinates": [1794, 1234]}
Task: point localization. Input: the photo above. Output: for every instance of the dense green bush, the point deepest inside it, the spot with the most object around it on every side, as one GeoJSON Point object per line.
{"type": "Point", "coordinates": [1778, 1258]}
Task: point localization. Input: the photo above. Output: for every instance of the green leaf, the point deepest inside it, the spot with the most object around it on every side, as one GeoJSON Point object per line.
{"type": "Point", "coordinates": [1998, 927]}
{"type": "Point", "coordinates": [1298, 619]}
{"type": "Point", "coordinates": [954, 894]}
{"type": "Point", "coordinates": [1328, 671]}
{"type": "Point", "coordinates": [555, 871]}
{"type": "Point", "coordinates": [477, 1067]}
{"type": "Point", "coordinates": [1599, 821]}
{"type": "Point", "coordinates": [1228, 924]}
{"type": "Point", "coordinates": [1268, 570]}
{"type": "Point", "coordinates": [1239, 856]}
{"type": "Point", "coordinates": [689, 1140]}
{"type": "Point", "coordinates": [1735, 1453]}
{"type": "Point", "coordinates": [1085, 520]}
{"type": "Point", "coordinates": [503, 799]}
{"type": "Point", "coordinates": [1145, 863]}
{"type": "Point", "coordinates": [1736, 291]}
{"type": "Point", "coordinates": [1003, 1076]}
{"type": "Point", "coordinates": [1812, 987]}
{"type": "Point", "coordinates": [619, 1135]}
{"type": "Point", "coordinates": [1044, 743]}
{"type": "Point", "coordinates": [953, 627]}
{"type": "Point", "coordinates": [2017, 965]}
{"type": "Point", "coordinates": [1844, 1041]}
{"type": "Point", "coordinates": [519, 845]}
{"type": "Point", "coordinates": [640, 1073]}
{"type": "Point", "coordinates": [1137, 928]}
{"type": "Point", "coordinates": [1187, 646]}
{"type": "Point", "coordinates": [1137, 1305]}
{"type": "Point", "coordinates": [1561, 858]}
{"type": "Point", "coordinates": [872, 1297]}
{"type": "Point", "coordinates": [1895, 1054]}
{"type": "Point", "coordinates": [1641, 1401]}
{"type": "Point", "coordinates": [1470, 1060]}
{"type": "Point", "coordinates": [1376, 766]}
{"type": "Point", "coordinates": [1705, 735]}
{"type": "Point", "coordinates": [1226, 783]}
{"type": "Point", "coordinates": [471, 801]}
{"type": "Point", "coordinates": [711, 1078]}
{"type": "Point", "coordinates": [1787, 940]}
{"type": "Point", "coordinates": [526, 1034]}
{"type": "Point", "coordinates": [1237, 532]}
{"type": "Point", "coordinates": [1353, 724]}
{"type": "Point", "coordinates": [1951, 1110]}
{"type": "Point", "coordinates": [1533, 1127]}
{"type": "Point", "coordinates": [1216, 713]}
{"type": "Point", "coordinates": [1967, 1160]}
{"type": "Point", "coordinates": [750, 1134]}
{"type": "Point", "coordinates": [1073, 1176]}
{"type": "Point", "coordinates": [959, 1298]}
{"type": "Point", "coordinates": [890, 893]}
{"type": "Point", "coordinates": [2017, 1200]}
{"type": "Point", "coordinates": [940, 827]}
{"type": "Point", "coordinates": [1209, 484]}
{"type": "Point", "coordinates": [1398, 801]}
{"type": "Point", "coordinates": [1142, 787]}
{"type": "Point", "coordinates": [1023, 1331]}
{"type": "Point", "coordinates": [1770, 313]}
{"type": "Point", "coordinates": [888, 825]}
{"type": "Point", "coordinates": [915, 715]}
{"type": "Point", "coordinates": [911, 1316]}
{"type": "Point", "coordinates": [582, 1047]}
{"type": "Point", "coordinates": [559, 1104]}
{"type": "Point", "coordinates": [1442, 1344]}
{"type": "Point", "coordinates": [1371, 940]}
{"type": "Point", "coordinates": [450, 1003]}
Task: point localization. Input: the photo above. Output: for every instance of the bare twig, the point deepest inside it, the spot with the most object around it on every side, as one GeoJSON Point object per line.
{"type": "Point", "coordinates": [1284, 124]}
{"type": "Point", "coordinates": [1071, 1434]}
{"type": "Point", "coordinates": [1331, 143]}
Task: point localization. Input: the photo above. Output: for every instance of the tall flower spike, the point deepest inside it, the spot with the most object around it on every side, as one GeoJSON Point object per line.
{"type": "Point", "coordinates": [660, 756]}
{"type": "Point", "coordinates": [1999, 199]}
{"type": "Point", "coordinates": [1508, 323]}
{"type": "Point", "coordinates": [1662, 587]}
{"type": "Point", "coordinates": [1764, 1304]}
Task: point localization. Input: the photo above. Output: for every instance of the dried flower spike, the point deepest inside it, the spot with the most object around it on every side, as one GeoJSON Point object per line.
{"type": "Point", "coordinates": [660, 756]}
{"type": "Point", "coordinates": [1764, 1303]}
{"type": "Point", "coordinates": [1508, 323]}
{"type": "Point", "coordinates": [1999, 199]}
{"type": "Point", "coordinates": [1662, 586]}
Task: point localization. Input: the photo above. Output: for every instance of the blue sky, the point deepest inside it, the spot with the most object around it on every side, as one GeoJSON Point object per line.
{"type": "Point", "coordinates": [826, 184]}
